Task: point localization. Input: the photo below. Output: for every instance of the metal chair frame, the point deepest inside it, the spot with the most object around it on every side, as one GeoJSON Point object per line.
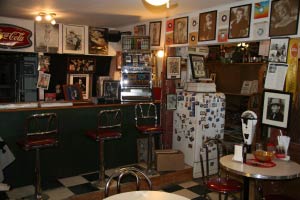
{"type": "Point", "coordinates": [138, 174]}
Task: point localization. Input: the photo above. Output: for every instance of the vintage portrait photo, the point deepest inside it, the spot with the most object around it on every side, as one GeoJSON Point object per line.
{"type": "Point", "coordinates": [83, 81]}
{"type": "Point", "coordinates": [44, 63]}
{"type": "Point", "coordinates": [278, 50]}
{"type": "Point", "coordinates": [98, 43]}
{"type": "Point", "coordinates": [197, 65]}
{"type": "Point", "coordinates": [73, 39]}
{"type": "Point", "coordinates": [284, 17]}
{"type": "Point", "coordinates": [239, 22]}
{"type": "Point", "coordinates": [173, 67]}
{"type": "Point", "coordinates": [72, 92]}
{"type": "Point", "coordinates": [207, 26]}
{"type": "Point", "coordinates": [276, 108]}
{"type": "Point", "coordinates": [46, 37]}
{"type": "Point", "coordinates": [111, 89]}
{"type": "Point", "coordinates": [43, 80]}
{"type": "Point", "coordinates": [81, 65]}
{"type": "Point", "coordinates": [171, 101]}
{"type": "Point", "coordinates": [140, 30]}
{"type": "Point", "coordinates": [180, 34]}
{"type": "Point", "coordinates": [154, 32]}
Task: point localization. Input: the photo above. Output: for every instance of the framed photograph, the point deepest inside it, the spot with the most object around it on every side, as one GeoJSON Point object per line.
{"type": "Point", "coordinates": [276, 108]}
{"type": "Point", "coordinates": [173, 67]}
{"type": "Point", "coordinates": [140, 30]}
{"type": "Point", "coordinates": [207, 26]}
{"type": "Point", "coordinates": [72, 92]}
{"type": "Point", "coordinates": [83, 81]}
{"type": "Point", "coordinates": [100, 85]}
{"type": "Point", "coordinates": [239, 21]}
{"type": "Point", "coordinates": [43, 80]}
{"type": "Point", "coordinates": [197, 66]}
{"type": "Point", "coordinates": [46, 37]}
{"type": "Point", "coordinates": [180, 33]}
{"type": "Point", "coordinates": [81, 65]}
{"type": "Point", "coordinates": [171, 101]}
{"type": "Point", "coordinates": [73, 39]}
{"type": "Point", "coordinates": [278, 50]}
{"type": "Point", "coordinates": [98, 43]}
{"type": "Point", "coordinates": [155, 32]}
{"type": "Point", "coordinates": [284, 17]}
{"type": "Point", "coordinates": [111, 89]}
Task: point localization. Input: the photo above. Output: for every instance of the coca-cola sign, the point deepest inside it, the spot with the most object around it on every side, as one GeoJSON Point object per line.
{"type": "Point", "coordinates": [14, 37]}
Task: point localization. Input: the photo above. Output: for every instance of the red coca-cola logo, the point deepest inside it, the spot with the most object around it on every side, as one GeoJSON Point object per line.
{"type": "Point", "coordinates": [14, 37]}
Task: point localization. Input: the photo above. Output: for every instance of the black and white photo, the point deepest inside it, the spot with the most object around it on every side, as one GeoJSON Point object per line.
{"type": "Point", "coordinates": [73, 39]}
{"type": "Point", "coordinates": [278, 50]}
{"type": "Point", "coordinates": [46, 37]}
{"type": "Point", "coordinates": [239, 23]}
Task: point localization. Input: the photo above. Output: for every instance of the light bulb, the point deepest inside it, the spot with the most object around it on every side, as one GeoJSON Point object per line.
{"type": "Point", "coordinates": [48, 17]}
{"type": "Point", "coordinates": [38, 18]}
{"type": "Point", "coordinates": [157, 2]}
{"type": "Point", "coordinates": [53, 22]}
{"type": "Point", "coordinates": [160, 53]}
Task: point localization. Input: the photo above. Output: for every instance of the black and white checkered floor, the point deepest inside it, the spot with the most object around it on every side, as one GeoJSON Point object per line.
{"type": "Point", "coordinates": [66, 187]}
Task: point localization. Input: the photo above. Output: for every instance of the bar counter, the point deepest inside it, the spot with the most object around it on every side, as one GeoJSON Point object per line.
{"type": "Point", "coordinates": [76, 153]}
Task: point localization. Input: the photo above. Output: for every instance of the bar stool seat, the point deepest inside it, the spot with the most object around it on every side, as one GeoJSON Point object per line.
{"type": "Point", "coordinates": [150, 129]}
{"type": "Point", "coordinates": [41, 131]}
{"type": "Point", "coordinates": [109, 127]}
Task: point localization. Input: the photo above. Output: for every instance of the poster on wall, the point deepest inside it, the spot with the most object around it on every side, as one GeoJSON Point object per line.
{"type": "Point", "coordinates": [43, 80]}
{"type": "Point", "coordinates": [73, 39]}
{"type": "Point", "coordinates": [260, 30]}
{"type": "Point", "coordinates": [98, 43]}
{"type": "Point", "coordinates": [223, 35]}
{"type": "Point", "coordinates": [223, 18]}
{"type": "Point", "coordinates": [44, 63]}
{"type": "Point", "coordinates": [193, 38]}
{"type": "Point", "coordinates": [194, 24]}
{"type": "Point", "coordinates": [170, 25]}
{"type": "Point", "coordinates": [46, 37]}
{"type": "Point", "coordinates": [261, 9]}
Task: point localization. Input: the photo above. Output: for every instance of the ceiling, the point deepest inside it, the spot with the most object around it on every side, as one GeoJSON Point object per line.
{"type": "Point", "coordinates": [102, 13]}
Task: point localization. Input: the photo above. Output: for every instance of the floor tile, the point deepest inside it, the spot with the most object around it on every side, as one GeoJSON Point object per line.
{"type": "Point", "coordinates": [20, 192]}
{"type": "Point", "coordinates": [199, 189]}
{"type": "Point", "coordinates": [59, 193]}
{"type": "Point", "coordinates": [83, 188]}
{"type": "Point", "coordinates": [51, 184]}
{"type": "Point", "coordinates": [172, 188]}
{"type": "Point", "coordinates": [3, 196]}
{"type": "Point", "coordinates": [74, 180]}
{"type": "Point", "coordinates": [188, 184]}
{"type": "Point", "coordinates": [91, 177]}
{"type": "Point", "coordinates": [186, 193]}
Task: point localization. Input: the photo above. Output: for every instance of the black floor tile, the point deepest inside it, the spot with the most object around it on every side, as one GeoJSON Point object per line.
{"type": "Point", "coordinates": [199, 189]}
{"type": "Point", "coordinates": [172, 188]}
{"type": "Point", "coordinates": [91, 177]}
{"type": "Point", "coordinates": [3, 196]}
{"type": "Point", "coordinates": [83, 188]}
{"type": "Point", "coordinates": [51, 184]}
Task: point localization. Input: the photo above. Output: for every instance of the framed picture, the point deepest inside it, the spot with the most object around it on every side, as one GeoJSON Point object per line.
{"type": "Point", "coordinates": [278, 50]}
{"type": "Point", "coordinates": [44, 63]}
{"type": "Point", "coordinates": [72, 92]}
{"type": "Point", "coordinates": [155, 32]}
{"type": "Point", "coordinates": [276, 108]}
{"type": "Point", "coordinates": [197, 66]}
{"type": "Point", "coordinates": [43, 80]}
{"type": "Point", "coordinates": [140, 30]}
{"type": "Point", "coordinates": [171, 101]}
{"type": "Point", "coordinates": [46, 37]}
{"type": "Point", "coordinates": [73, 39]}
{"type": "Point", "coordinates": [118, 60]}
{"type": "Point", "coordinates": [83, 81]}
{"type": "Point", "coordinates": [81, 65]}
{"type": "Point", "coordinates": [207, 26]}
{"type": "Point", "coordinates": [98, 43]}
{"type": "Point", "coordinates": [111, 89]}
{"type": "Point", "coordinates": [180, 33]}
{"type": "Point", "coordinates": [239, 21]}
{"type": "Point", "coordinates": [173, 67]}
{"type": "Point", "coordinates": [100, 85]}
{"type": "Point", "coordinates": [284, 17]}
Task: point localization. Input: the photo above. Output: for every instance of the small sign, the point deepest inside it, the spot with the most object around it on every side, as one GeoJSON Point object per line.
{"type": "Point", "coordinates": [14, 37]}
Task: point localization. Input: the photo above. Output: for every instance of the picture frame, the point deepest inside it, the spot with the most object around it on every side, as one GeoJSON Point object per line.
{"type": "Point", "coordinates": [284, 25]}
{"type": "Point", "coordinates": [111, 89]}
{"type": "Point", "coordinates": [171, 101]}
{"type": "Point", "coordinates": [81, 65]}
{"type": "Point", "coordinates": [279, 49]}
{"type": "Point", "coordinates": [118, 60]}
{"type": "Point", "coordinates": [197, 66]}
{"type": "Point", "coordinates": [83, 81]}
{"type": "Point", "coordinates": [180, 33]}
{"type": "Point", "coordinates": [239, 21]}
{"type": "Point", "coordinates": [140, 30]}
{"type": "Point", "coordinates": [155, 33]}
{"type": "Point", "coordinates": [276, 108]}
{"type": "Point", "coordinates": [98, 42]}
{"type": "Point", "coordinates": [46, 37]}
{"type": "Point", "coordinates": [100, 85]}
{"type": "Point", "coordinates": [73, 39]}
{"type": "Point", "coordinates": [207, 26]}
{"type": "Point", "coordinates": [173, 67]}
{"type": "Point", "coordinates": [43, 80]}
{"type": "Point", "coordinates": [72, 92]}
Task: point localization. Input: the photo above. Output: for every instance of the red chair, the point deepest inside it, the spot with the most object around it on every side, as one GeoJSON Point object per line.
{"type": "Point", "coordinates": [109, 128]}
{"type": "Point", "coordinates": [146, 120]}
{"type": "Point", "coordinates": [41, 131]}
{"type": "Point", "coordinates": [222, 185]}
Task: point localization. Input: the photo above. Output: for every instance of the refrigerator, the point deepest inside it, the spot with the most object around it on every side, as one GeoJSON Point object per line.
{"type": "Point", "coordinates": [198, 117]}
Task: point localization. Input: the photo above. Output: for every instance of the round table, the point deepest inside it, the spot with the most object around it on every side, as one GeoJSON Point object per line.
{"type": "Point", "coordinates": [146, 195]}
{"type": "Point", "coordinates": [283, 170]}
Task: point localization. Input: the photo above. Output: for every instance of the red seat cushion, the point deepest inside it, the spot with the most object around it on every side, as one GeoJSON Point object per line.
{"type": "Point", "coordinates": [150, 129]}
{"type": "Point", "coordinates": [103, 134]}
{"type": "Point", "coordinates": [221, 184]}
{"type": "Point", "coordinates": [37, 142]}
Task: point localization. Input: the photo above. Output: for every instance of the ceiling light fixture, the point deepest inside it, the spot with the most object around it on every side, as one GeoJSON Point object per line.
{"type": "Point", "coordinates": [158, 2]}
{"type": "Point", "coordinates": [49, 17]}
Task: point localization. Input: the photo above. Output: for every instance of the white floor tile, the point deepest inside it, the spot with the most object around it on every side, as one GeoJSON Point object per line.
{"type": "Point", "coordinates": [74, 180]}
{"type": "Point", "coordinates": [20, 192]}
{"type": "Point", "coordinates": [59, 193]}
{"type": "Point", "coordinates": [186, 193]}
{"type": "Point", "coordinates": [188, 184]}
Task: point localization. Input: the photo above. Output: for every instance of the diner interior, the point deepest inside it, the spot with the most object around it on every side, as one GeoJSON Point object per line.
{"type": "Point", "coordinates": [149, 99]}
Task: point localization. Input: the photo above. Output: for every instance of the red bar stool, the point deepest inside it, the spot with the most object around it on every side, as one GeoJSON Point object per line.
{"type": "Point", "coordinates": [41, 131]}
{"type": "Point", "coordinates": [108, 128]}
{"type": "Point", "coordinates": [147, 123]}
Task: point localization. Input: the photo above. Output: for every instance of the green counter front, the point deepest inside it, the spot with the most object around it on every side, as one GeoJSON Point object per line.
{"type": "Point", "coordinates": [76, 153]}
